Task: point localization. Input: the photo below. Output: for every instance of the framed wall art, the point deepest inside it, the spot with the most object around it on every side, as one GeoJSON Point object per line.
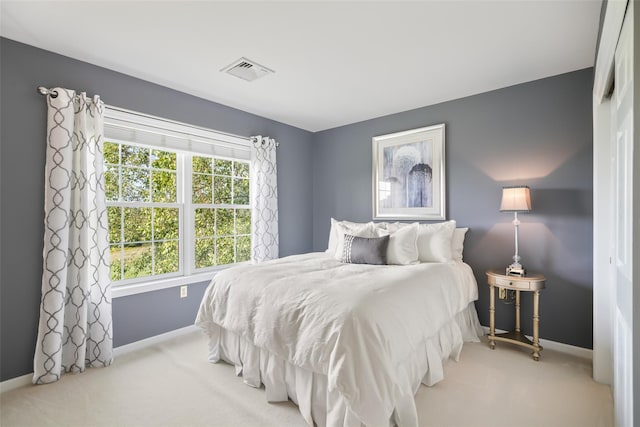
{"type": "Point", "coordinates": [409, 175]}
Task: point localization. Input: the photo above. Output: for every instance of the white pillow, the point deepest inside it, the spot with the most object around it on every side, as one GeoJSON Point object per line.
{"type": "Point", "coordinates": [398, 225]}
{"type": "Point", "coordinates": [333, 234]}
{"type": "Point", "coordinates": [358, 230]}
{"type": "Point", "coordinates": [457, 243]}
{"type": "Point", "coordinates": [333, 238]}
{"type": "Point", "coordinates": [403, 244]}
{"type": "Point", "coordinates": [434, 241]}
{"type": "Point", "coordinates": [380, 228]}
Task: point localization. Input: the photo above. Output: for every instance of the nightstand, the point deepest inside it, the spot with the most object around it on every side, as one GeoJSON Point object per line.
{"type": "Point", "coordinates": [531, 283]}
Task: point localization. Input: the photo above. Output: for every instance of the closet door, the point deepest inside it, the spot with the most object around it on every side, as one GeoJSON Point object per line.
{"type": "Point", "coordinates": [623, 229]}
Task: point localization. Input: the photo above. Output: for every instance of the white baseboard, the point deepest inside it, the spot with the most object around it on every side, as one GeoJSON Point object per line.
{"type": "Point", "coordinates": [137, 345]}
{"type": "Point", "coordinates": [16, 382]}
{"type": "Point", "coordinates": [583, 353]}
{"type": "Point", "coordinates": [25, 380]}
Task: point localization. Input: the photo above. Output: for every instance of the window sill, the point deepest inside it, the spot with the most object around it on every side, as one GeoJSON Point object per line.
{"type": "Point", "coordinates": [155, 285]}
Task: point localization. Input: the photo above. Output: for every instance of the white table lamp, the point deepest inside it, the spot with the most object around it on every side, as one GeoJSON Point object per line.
{"type": "Point", "coordinates": [516, 199]}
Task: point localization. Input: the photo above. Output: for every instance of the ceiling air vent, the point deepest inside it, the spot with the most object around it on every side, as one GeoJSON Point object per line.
{"type": "Point", "coordinates": [246, 69]}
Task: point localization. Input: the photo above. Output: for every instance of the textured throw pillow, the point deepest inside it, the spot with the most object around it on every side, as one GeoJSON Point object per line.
{"type": "Point", "coordinates": [434, 241]}
{"type": "Point", "coordinates": [354, 229]}
{"type": "Point", "coordinates": [403, 244]}
{"type": "Point", "coordinates": [364, 250]}
{"type": "Point", "coordinates": [457, 243]}
{"type": "Point", "coordinates": [333, 233]}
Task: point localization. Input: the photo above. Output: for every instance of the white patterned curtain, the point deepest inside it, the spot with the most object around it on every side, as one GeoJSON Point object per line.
{"type": "Point", "coordinates": [75, 328]}
{"type": "Point", "coordinates": [264, 190]}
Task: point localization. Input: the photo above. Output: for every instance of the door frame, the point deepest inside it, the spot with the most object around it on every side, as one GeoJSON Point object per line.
{"type": "Point", "coordinates": [603, 130]}
{"type": "Point", "coordinates": [605, 355]}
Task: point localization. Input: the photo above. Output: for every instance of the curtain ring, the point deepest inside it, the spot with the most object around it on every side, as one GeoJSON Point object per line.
{"type": "Point", "coordinates": [44, 91]}
{"type": "Point", "coordinates": [263, 142]}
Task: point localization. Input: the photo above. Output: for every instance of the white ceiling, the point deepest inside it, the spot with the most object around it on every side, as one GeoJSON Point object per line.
{"type": "Point", "coordinates": [336, 62]}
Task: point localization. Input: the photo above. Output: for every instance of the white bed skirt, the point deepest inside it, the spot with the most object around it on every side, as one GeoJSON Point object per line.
{"type": "Point", "coordinates": [308, 390]}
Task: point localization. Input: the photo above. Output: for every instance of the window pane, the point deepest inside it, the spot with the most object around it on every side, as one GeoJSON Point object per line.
{"type": "Point", "coordinates": [164, 186]}
{"type": "Point", "coordinates": [163, 159]}
{"type": "Point", "coordinates": [137, 224]}
{"type": "Point", "coordinates": [135, 156]}
{"type": "Point", "coordinates": [116, 262]}
{"type": "Point", "coordinates": [243, 221]}
{"type": "Point", "coordinates": [111, 152]}
{"type": "Point", "coordinates": [224, 222]}
{"type": "Point", "coordinates": [241, 169]}
{"type": "Point", "coordinates": [201, 164]}
{"type": "Point", "coordinates": [222, 190]}
{"type": "Point", "coordinates": [165, 223]}
{"type": "Point", "coordinates": [135, 184]}
{"type": "Point", "coordinates": [241, 191]}
{"type": "Point", "coordinates": [137, 260]}
{"type": "Point", "coordinates": [205, 223]}
{"type": "Point", "coordinates": [224, 249]}
{"type": "Point", "coordinates": [112, 189]}
{"type": "Point", "coordinates": [166, 257]}
{"type": "Point", "coordinates": [243, 248]}
{"type": "Point", "coordinates": [205, 253]}
{"type": "Point", "coordinates": [115, 221]}
{"type": "Point", "coordinates": [222, 167]}
{"type": "Point", "coordinates": [201, 189]}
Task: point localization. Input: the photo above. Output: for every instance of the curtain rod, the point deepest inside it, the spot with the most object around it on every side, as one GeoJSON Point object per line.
{"type": "Point", "coordinates": [45, 91]}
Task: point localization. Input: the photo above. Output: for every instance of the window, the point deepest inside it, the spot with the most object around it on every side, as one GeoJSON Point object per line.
{"type": "Point", "coordinates": [221, 212]}
{"type": "Point", "coordinates": [143, 210]}
{"type": "Point", "coordinates": [172, 212]}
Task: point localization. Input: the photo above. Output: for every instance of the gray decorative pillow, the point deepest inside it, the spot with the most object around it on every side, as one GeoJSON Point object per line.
{"type": "Point", "coordinates": [365, 250]}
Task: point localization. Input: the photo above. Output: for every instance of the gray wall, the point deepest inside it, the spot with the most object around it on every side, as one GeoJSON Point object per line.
{"type": "Point", "coordinates": [538, 134]}
{"type": "Point", "coordinates": [23, 118]}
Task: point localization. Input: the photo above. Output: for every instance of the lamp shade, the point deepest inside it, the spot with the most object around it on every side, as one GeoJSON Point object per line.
{"type": "Point", "coordinates": [515, 199]}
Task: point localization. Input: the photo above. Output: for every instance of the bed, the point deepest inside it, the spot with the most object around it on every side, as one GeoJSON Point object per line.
{"type": "Point", "coordinates": [349, 343]}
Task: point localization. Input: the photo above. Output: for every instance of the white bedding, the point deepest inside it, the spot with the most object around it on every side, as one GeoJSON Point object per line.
{"type": "Point", "coordinates": [356, 324]}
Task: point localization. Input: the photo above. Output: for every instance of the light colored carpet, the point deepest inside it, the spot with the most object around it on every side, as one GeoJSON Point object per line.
{"type": "Point", "coordinates": [172, 384]}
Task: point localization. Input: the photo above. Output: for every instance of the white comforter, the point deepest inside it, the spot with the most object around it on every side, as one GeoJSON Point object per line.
{"type": "Point", "coordinates": [353, 323]}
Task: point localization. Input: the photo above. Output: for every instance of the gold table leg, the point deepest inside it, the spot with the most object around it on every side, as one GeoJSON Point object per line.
{"type": "Point", "coordinates": [536, 323]}
{"type": "Point", "coordinates": [517, 311]}
{"type": "Point", "coordinates": [492, 316]}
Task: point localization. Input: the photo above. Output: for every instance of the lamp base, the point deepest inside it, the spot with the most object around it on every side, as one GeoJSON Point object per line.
{"type": "Point", "coordinates": [516, 270]}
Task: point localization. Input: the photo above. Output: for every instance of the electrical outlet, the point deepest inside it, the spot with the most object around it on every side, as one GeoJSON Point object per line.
{"type": "Point", "coordinates": [502, 293]}
{"type": "Point", "coordinates": [183, 291]}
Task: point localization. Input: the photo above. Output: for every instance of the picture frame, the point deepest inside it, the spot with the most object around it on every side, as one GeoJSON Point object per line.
{"type": "Point", "coordinates": [409, 174]}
